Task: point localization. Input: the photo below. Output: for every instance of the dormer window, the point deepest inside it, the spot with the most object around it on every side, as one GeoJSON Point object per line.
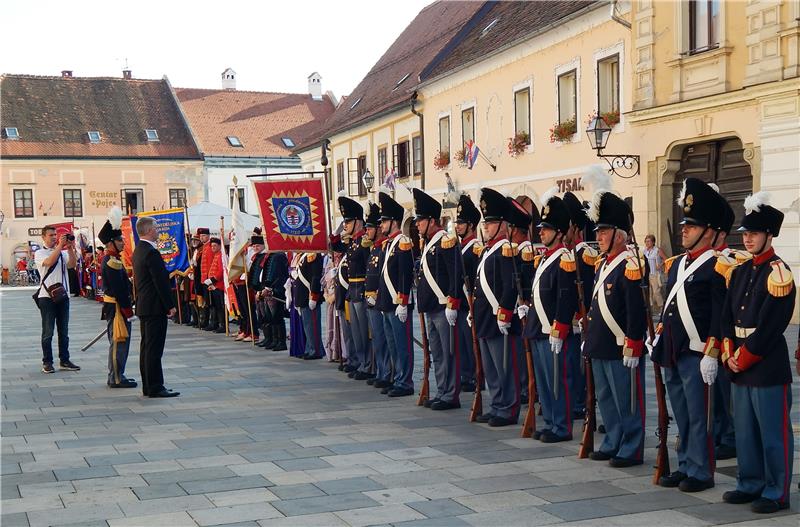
{"type": "Point", "coordinates": [152, 135]}
{"type": "Point", "coordinates": [287, 142]}
{"type": "Point", "coordinates": [94, 136]}
{"type": "Point", "coordinates": [234, 141]}
{"type": "Point", "coordinates": [12, 133]}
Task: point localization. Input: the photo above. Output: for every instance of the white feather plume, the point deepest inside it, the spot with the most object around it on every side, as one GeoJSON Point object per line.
{"type": "Point", "coordinates": [753, 202]}
{"type": "Point", "coordinates": [549, 193]}
{"type": "Point", "coordinates": [594, 206]}
{"type": "Point", "coordinates": [596, 178]}
{"type": "Point", "coordinates": [715, 187]}
{"type": "Point", "coordinates": [681, 195]}
{"type": "Point", "coordinates": [115, 217]}
{"type": "Point", "coordinates": [385, 190]}
{"type": "Point", "coordinates": [342, 194]}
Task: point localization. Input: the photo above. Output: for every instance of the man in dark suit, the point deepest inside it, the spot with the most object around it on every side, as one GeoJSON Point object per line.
{"type": "Point", "coordinates": [154, 303]}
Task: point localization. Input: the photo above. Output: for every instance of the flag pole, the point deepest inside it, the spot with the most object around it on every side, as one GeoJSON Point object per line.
{"type": "Point", "coordinates": [249, 307]}
{"type": "Point", "coordinates": [178, 299]}
{"type": "Point", "coordinates": [224, 288]}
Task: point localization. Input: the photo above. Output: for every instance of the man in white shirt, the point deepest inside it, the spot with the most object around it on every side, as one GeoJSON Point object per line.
{"type": "Point", "coordinates": [59, 254]}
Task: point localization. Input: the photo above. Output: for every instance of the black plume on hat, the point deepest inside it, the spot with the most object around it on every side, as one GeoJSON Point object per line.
{"type": "Point", "coordinates": [555, 214]}
{"type": "Point", "coordinates": [256, 240]}
{"type": "Point", "coordinates": [350, 208]}
{"type": "Point", "coordinates": [577, 214]}
{"type": "Point", "coordinates": [494, 205]}
{"type": "Point", "coordinates": [607, 210]}
{"type": "Point", "coordinates": [701, 205]}
{"type": "Point", "coordinates": [390, 209]}
{"type": "Point", "coordinates": [517, 215]}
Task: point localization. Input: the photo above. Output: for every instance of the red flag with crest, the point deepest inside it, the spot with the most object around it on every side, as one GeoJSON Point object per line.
{"type": "Point", "coordinates": [294, 214]}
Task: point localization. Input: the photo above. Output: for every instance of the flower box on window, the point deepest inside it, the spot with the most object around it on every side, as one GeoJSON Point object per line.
{"type": "Point", "coordinates": [563, 132]}
{"type": "Point", "coordinates": [441, 160]}
{"type": "Point", "coordinates": [518, 143]}
{"type": "Point", "coordinates": [459, 157]}
{"type": "Point", "coordinates": [611, 118]}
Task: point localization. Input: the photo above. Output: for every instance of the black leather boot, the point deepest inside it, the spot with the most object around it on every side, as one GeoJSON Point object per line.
{"type": "Point", "coordinates": [280, 341]}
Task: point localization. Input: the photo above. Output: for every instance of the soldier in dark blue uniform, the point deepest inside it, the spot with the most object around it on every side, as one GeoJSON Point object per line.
{"type": "Point", "coordinates": [394, 295]}
{"type": "Point", "coordinates": [467, 218]}
{"type": "Point", "coordinates": [585, 257]}
{"type": "Point", "coordinates": [615, 337]}
{"type": "Point", "coordinates": [272, 279]}
{"type": "Point", "coordinates": [380, 348]}
{"type": "Point", "coordinates": [307, 296]}
{"type": "Point", "coordinates": [724, 431]}
{"type": "Point", "coordinates": [495, 303]}
{"type": "Point", "coordinates": [554, 301]}
{"type": "Point", "coordinates": [342, 285]}
{"type": "Point", "coordinates": [519, 225]}
{"type": "Point", "coordinates": [117, 308]}
{"type": "Point", "coordinates": [757, 309]}
{"type": "Point", "coordinates": [439, 294]}
{"type": "Point", "coordinates": [356, 248]}
{"type": "Point", "coordinates": [688, 338]}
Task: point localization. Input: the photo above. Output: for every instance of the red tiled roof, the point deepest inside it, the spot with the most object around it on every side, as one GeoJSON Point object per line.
{"type": "Point", "coordinates": [416, 46]}
{"type": "Point", "coordinates": [54, 114]}
{"type": "Point", "coordinates": [259, 119]}
{"type": "Point", "coordinates": [515, 21]}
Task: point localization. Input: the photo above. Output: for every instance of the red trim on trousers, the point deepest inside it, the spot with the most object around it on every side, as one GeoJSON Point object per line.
{"type": "Point", "coordinates": [640, 399]}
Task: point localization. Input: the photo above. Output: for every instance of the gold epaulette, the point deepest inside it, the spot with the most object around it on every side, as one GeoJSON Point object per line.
{"type": "Point", "coordinates": [527, 254]}
{"type": "Point", "coordinates": [590, 255]}
{"type": "Point", "coordinates": [669, 261]}
{"type": "Point", "coordinates": [509, 250]}
{"type": "Point", "coordinates": [537, 259]}
{"type": "Point", "coordinates": [477, 249]}
{"type": "Point", "coordinates": [633, 268]}
{"type": "Point", "coordinates": [780, 281]}
{"type": "Point", "coordinates": [448, 241]}
{"type": "Point", "coordinates": [724, 266]}
{"type": "Point", "coordinates": [405, 243]}
{"type": "Point", "coordinates": [310, 257]}
{"type": "Point", "coordinates": [114, 263]}
{"type": "Point", "coordinates": [742, 256]}
{"type": "Point", "coordinates": [567, 262]}
{"type": "Point", "coordinates": [366, 242]}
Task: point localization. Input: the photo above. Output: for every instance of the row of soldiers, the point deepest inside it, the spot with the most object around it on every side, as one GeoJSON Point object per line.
{"type": "Point", "coordinates": [575, 310]}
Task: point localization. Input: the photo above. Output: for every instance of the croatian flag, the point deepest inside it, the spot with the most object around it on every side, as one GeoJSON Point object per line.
{"type": "Point", "coordinates": [471, 154]}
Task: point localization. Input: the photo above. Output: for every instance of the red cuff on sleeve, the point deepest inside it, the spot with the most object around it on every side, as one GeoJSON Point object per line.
{"type": "Point", "coordinates": [504, 315]}
{"type": "Point", "coordinates": [632, 348]}
{"type": "Point", "coordinates": [453, 303]}
{"type": "Point", "coordinates": [402, 299]}
{"type": "Point", "coordinates": [745, 359]}
{"type": "Point", "coordinates": [560, 330]}
{"type": "Point", "coordinates": [314, 296]}
{"type": "Point", "coordinates": [126, 312]}
{"type": "Point", "coordinates": [334, 238]}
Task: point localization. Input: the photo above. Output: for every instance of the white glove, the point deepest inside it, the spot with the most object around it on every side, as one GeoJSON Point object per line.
{"type": "Point", "coordinates": [708, 369]}
{"type": "Point", "coordinates": [243, 277]}
{"type": "Point", "coordinates": [583, 343]}
{"type": "Point", "coordinates": [371, 301]}
{"type": "Point", "coordinates": [556, 345]}
{"type": "Point", "coordinates": [503, 327]}
{"type": "Point", "coordinates": [402, 313]}
{"type": "Point", "coordinates": [630, 362]}
{"type": "Point", "coordinates": [451, 315]}
{"type": "Point", "coordinates": [469, 320]}
{"type": "Point", "coordinates": [289, 301]}
{"type": "Point", "coordinates": [522, 311]}
{"type": "Point", "coordinates": [208, 281]}
{"type": "Point", "coordinates": [312, 305]}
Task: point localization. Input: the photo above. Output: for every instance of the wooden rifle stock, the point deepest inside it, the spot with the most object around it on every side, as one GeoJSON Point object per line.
{"type": "Point", "coordinates": [590, 417]}
{"type": "Point", "coordinates": [529, 424]}
{"type": "Point", "coordinates": [477, 401]}
{"type": "Point", "coordinates": [426, 363]}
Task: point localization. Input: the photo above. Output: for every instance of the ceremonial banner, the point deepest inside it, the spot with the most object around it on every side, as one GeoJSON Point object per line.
{"type": "Point", "coordinates": [293, 212]}
{"type": "Point", "coordinates": [239, 242]}
{"type": "Point", "coordinates": [127, 234]}
{"type": "Point", "coordinates": [171, 241]}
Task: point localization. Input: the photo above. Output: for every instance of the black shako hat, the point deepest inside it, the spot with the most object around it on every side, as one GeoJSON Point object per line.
{"type": "Point", "coordinates": [517, 215]}
{"type": "Point", "coordinates": [374, 216]}
{"type": "Point", "coordinates": [350, 209]}
{"type": "Point", "coordinates": [390, 209]}
{"type": "Point", "coordinates": [607, 210]}
{"type": "Point", "coordinates": [425, 205]}
{"type": "Point", "coordinates": [760, 216]}
{"type": "Point", "coordinates": [202, 230]}
{"type": "Point", "coordinates": [701, 204]}
{"type": "Point", "coordinates": [256, 240]}
{"type": "Point", "coordinates": [554, 214]}
{"type": "Point", "coordinates": [108, 233]}
{"type": "Point", "coordinates": [467, 212]}
{"type": "Point", "coordinates": [494, 206]}
{"type": "Point", "coordinates": [577, 214]}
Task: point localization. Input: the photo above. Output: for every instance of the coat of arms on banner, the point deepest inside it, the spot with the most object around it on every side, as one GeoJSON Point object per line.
{"type": "Point", "coordinates": [294, 215]}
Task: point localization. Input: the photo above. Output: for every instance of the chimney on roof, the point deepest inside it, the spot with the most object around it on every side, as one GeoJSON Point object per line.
{"type": "Point", "coordinates": [228, 79]}
{"type": "Point", "coordinates": [66, 73]}
{"type": "Point", "coordinates": [315, 86]}
{"type": "Point", "coordinates": [127, 74]}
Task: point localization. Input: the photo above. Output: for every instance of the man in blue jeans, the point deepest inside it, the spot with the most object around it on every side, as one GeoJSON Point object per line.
{"type": "Point", "coordinates": [57, 255]}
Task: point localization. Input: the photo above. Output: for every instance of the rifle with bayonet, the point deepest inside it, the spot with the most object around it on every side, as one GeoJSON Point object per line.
{"type": "Point", "coordinates": [590, 417]}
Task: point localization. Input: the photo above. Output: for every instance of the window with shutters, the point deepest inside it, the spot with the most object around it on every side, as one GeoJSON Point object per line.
{"type": "Point", "coordinates": [567, 96]}
{"type": "Point", "coordinates": [416, 146]}
{"type": "Point", "coordinates": [401, 161]}
{"type": "Point", "coordinates": [444, 134]}
{"type": "Point", "coordinates": [23, 203]}
{"type": "Point", "coordinates": [340, 176]}
{"type": "Point", "coordinates": [608, 85]}
{"type": "Point", "coordinates": [355, 171]}
{"type": "Point", "coordinates": [177, 198]}
{"type": "Point", "coordinates": [522, 112]}
{"type": "Point", "coordinates": [467, 125]}
{"type": "Point", "coordinates": [383, 165]}
{"type": "Point", "coordinates": [233, 195]}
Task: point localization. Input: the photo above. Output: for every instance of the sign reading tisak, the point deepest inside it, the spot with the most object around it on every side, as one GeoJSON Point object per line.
{"type": "Point", "coordinates": [569, 184]}
{"type": "Point", "coordinates": [102, 199]}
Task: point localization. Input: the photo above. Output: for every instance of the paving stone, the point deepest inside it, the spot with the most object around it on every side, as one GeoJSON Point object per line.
{"type": "Point", "coordinates": [518, 517]}
{"type": "Point", "coordinates": [345, 486]}
{"type": "Point", "coordinates": [577, 491]}
{"type": "Point", "coordinates": [97, 497]}
{"type": "Point", "coordinates": [440, 508]}
{"type": "Point", "coordinates": [165, 505]}
{"type": "Point", "coordinates": [650, 501]}
{"type": "Point", "coordinates": [450, 521]}
{"type": "Point", "coordinates": [439, 490]}
{"type": "Point", "coordinates": [264, 468]}
{"type": "Point", "coordinates": [74, 515]}
{"type": "Point", "coordinates": [499, 501]}
{"type": "Point", "coordinates": [302, 464]}
{"type": "Point", "coordinates": [212, 461]}
{"type": "Point", "coordinates": [339, 502]}
{"type": "Point", "coordinates": [71, 474]}
{"type": "Point", "coordinates": [650, 519]}
{"type": "Point", "coordinates": [235, 513]}
{"type": "Point", "coordinates": [189, 474]}
{"type": "Point", "coordinates": [293, 492]}
{"type": "Point", "coordinates": [147, 467]}
{"type": "Point", "coordinates": [115, 459]}
{"type": "Point", "coordinates": [173, 519]}
{"type": "Point", "coordinates": [721, 513]}
{"type": "Point", "coordinates": [376, 515]}
{"type": "Point", "coordinates": [17, 519]}
{"type": "Point", "coordinates": [116, 482]}
{"type": "Point", "coordinates": [219, 485]}
{"type": "Point", "coordinates": [580, 510]}
{"type": "Point", "coordinates": [394, 496]}
{"type": "Point", "coordinates": [165, 490]}
{"type": "Point", "coordinates": [325, 519]}
{"type": "Point", "coordinates": [35, 503]}
{"type": "Point", "coordinates": [240, 497]}
{"type": "Point", "coordinates": [501, 483]}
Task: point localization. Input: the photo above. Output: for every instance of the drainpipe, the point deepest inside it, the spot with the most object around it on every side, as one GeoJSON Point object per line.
{"type": "Point", "coordinates": [615, 17]}
{"type": "Point", "coordinates": [421, 139]}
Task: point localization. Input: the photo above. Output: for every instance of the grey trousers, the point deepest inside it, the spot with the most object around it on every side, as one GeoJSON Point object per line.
{"type": "Point", "coordinates": [501, 379]}
{"type": "Point", "coordinates": [446, 366]}
{"type": "Point", "coordinates": [359, 327]}
{"type": "Point", "coordinates": [117, 359]}
{"type": "Point", "coordinates": [465, 348]}
{"type": "Point", "coordinates": [347, 337]}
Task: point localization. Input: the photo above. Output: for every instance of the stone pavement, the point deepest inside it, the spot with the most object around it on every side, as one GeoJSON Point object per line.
{"type": "Point", "coordinates": [258, 438]}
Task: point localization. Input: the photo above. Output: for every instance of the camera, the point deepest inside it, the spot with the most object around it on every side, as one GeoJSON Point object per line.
{"type": "Point", "coordinates": [70, 237]}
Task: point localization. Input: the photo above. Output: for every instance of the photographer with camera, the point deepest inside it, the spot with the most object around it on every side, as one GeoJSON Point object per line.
{"type": "Point", "coordinates": [54, 259]}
